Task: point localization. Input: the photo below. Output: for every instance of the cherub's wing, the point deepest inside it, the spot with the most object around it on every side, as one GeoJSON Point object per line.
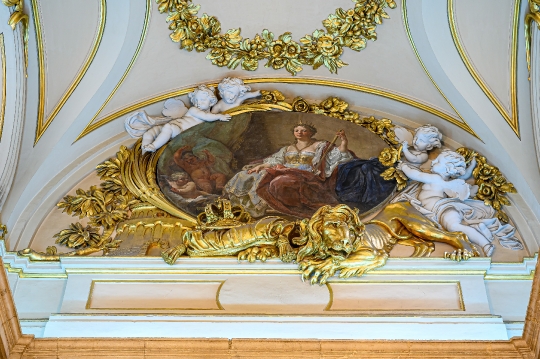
{"type": "Point", "coordinates": [402, 135]}
{"type": "Point", "coordinates": [137, 123]}
{"type": "Point", "coordinates": [174, 107]}
{"type": "Point", "coordinates": [457, 188]}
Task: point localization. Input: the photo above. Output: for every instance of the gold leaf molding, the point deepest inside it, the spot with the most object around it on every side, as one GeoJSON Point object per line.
{"type": "Point", "coordinates": [511, 118]}
{"type": "Point", "coordinates": [287, 80]}
{"type": "Point", "coordinates": [42, 124]}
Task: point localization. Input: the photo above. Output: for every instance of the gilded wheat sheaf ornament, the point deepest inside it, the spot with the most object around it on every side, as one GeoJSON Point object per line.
{"type": "Point", "coordinates": [345, 28]}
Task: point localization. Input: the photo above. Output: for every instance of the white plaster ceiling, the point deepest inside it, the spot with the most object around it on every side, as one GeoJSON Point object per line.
{"type": "Point", "coordinates": [47, 171]}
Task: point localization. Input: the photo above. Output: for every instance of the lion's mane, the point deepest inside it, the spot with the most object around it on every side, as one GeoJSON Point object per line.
{"type": "Point", "coordinates": [311, 235]}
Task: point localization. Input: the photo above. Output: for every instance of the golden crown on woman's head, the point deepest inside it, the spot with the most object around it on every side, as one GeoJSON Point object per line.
{"type": "Point", "coordinates": [308, 125]}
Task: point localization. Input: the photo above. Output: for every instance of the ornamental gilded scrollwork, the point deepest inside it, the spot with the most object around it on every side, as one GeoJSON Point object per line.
{"type": "Point", "coordinates": [178, 199]}
{"type": "Point", "coordinates": [350, 28]}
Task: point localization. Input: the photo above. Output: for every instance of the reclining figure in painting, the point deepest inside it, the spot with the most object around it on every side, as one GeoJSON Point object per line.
{"type": "Point", "coordinates": [334, 239]}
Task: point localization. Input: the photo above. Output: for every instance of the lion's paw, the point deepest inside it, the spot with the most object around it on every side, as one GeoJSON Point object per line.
{"type": "Point", "coordinates": [317, 271]}
{"type": "Point", "coordinates": [459, 255]}
{"type": "Point", "coordinates": [351, 272]}
{"type": "Point", "coordinates": [261, 253]}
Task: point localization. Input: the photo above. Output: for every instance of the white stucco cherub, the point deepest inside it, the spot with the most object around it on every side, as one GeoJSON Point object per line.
{"type": "Point", "coordinates": [157, 131]}
{"type": "Point", "coordinates": [444, 197]}
{"type": "Point", "coordinates": [233, 93]}
{"type": "Point", "coordinates": [425, 139]}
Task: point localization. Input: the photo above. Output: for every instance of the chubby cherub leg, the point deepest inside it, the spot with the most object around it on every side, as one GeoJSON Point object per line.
{"type": "Point", "coordinates": [204, 184]}
{"type": "Point", "coordinates": [261, 253]}
{"type": "Point", "coordinates": [451, 220]}
{"type": "Point", "coordinates": [220, 180]}
{"type": "Point", "coordinates": [168, 131]}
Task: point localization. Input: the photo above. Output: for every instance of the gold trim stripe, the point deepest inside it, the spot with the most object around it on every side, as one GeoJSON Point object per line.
{"type": "Point", "coordinates": [126, 72]}
{"type": "Point", "coordinates": [511, 119]}
{"type": "Point", "coordinates": [42, 127]}
{"type": "Point", "coordinates": [529, 276]}
{"type": "Point", "coordinates": [244, 271]}
{"type": "Point", "coordinates": [20, 272]}
{"type": "Point", "coordinates": [41, 69]}
{"type": "Point", "coordinates": [413, 45]}
{"type": "Point", "coordinates": [285, 80]}
{"type": "Point", "coordinates": [4, 86]}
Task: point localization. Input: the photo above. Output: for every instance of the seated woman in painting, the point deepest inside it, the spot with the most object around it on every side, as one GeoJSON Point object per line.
{"type": "Point", "coordinates": [300, 178]}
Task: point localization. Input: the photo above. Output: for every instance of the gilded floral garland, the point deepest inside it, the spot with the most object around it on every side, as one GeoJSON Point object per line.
{"type": "Point", "coordinates": [345, 28]}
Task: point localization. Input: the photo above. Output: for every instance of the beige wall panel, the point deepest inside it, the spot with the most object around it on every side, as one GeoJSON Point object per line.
{"type": "Point", "coordinates": [154, 295]}
{"type": "Point", "coordinates": [404, 296]}
{"type": "Point", "coordinates": [272, 295]}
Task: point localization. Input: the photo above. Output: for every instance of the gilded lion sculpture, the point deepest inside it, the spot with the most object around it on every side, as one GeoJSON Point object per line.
{"type": "Point", "coordinates": [333, 240]}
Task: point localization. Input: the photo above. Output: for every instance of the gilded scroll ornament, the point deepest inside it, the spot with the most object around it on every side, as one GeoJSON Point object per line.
{"type": "Point", "coordinates": [104, 206]}
{"type": "Point", "coordinates": [18, 16]}
{"type": "Point", "coordinates": [345, 28]}
{"type": "Point", "coordinates": [142, 206]}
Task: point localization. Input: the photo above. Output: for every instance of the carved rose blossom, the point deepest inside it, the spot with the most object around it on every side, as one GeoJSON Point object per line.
{"type": "Point", "coordinates": [334, 104]}
{"type": "Point", "coordinates": [284, 52]}
{"type": "Point", "coordinates": [486, 193]}
{"type": "Point", "coordinates": [271, 96]}
{"type": "Point", "coordinates": [486, 172]}
{"type": "Point", "coordinates": [499, 180]}
{"type": "Point", "coordinates": [219, 57]}
{"type": "Point", "coordinates": [300, 105]}
{"type": "Point", "coordinates": [388, 156]}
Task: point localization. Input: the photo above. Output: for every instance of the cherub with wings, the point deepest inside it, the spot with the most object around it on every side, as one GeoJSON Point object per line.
{"type": "Point", "coordinates": [444, 197]}
{"type": "Point", "coordinates": [157, 131]}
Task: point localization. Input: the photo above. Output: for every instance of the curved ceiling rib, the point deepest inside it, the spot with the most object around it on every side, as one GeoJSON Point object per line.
{"type": "Point", "coordinates": [511, 119]}
{"type": "Point", "coordinates": [89, 126]}
{"type": "Point", "coordinates": [290, 80]}
{"type": "Point", "coordinates": [462, 124]}
{"type": "Point", "coordinates": [41, 124]}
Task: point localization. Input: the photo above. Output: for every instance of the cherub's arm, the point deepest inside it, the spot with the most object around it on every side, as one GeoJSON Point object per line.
{"type": "Point", "coordinates": [207, 116]}
{"type": "Point", "coordinates": [469, 170]}
{"type": "Point", "coordinates": [249, 95]}
{"type": "Point", "coordinates": [178, 155]}
{"type": "Point", "coordinates": [218, 107]}
{"type": "Point", "coordinates": [210, 159]}
{"type": "Point", "coordinates": [419, 158]}
{"type": "Point", "coordinates": [417, 175]}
